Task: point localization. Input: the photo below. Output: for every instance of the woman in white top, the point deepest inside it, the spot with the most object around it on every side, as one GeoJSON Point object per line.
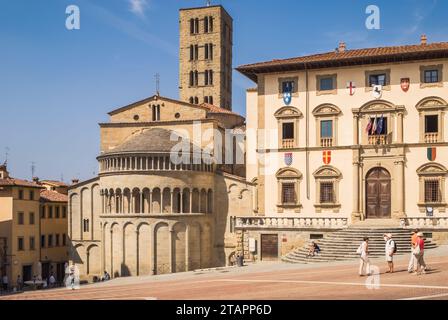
{"type": "Point", "coordinates": [364, 262]}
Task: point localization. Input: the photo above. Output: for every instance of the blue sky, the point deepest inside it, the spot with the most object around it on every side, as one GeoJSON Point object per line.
{"type": "Point", "coordinates": [57, 85]}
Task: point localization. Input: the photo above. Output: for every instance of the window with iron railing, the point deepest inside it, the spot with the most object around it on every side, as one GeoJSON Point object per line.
{"type": "Point", "coordinates": [327, 192]}
{"type": "Point", "coordinates": [288, 193]}
{"type": "Point", "coordinates": [432, 191]}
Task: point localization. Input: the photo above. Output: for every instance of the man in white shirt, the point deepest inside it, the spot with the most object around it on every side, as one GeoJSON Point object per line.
{"type": "Point", "coordinates": [390, 251]}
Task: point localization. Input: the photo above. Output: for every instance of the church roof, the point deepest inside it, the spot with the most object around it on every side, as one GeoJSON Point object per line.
{"type": "Point", "coordinates": [348, 58]}
{"type": "Point", "coordinates": [155, 140]}
{"type": "Point", "coordinates": [208, 107]}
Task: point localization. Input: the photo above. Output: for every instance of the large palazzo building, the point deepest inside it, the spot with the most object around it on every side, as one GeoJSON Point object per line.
{"type": "Point", "coordinates": [347, 136]}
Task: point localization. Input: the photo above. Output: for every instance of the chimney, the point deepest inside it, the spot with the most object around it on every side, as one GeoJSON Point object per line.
{"type": "Point", "coordinates": [4, 171]}
{"type": "Point", "coordinates": [423, 40]}
{"type": "Point", "coordinates": [342, 46]}
{"type": "Point", "coordinates": [75, 181]}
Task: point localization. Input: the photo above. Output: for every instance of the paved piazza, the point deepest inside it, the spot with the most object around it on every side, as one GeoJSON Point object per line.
{"type": "Point", "coordinates": [270, 281]}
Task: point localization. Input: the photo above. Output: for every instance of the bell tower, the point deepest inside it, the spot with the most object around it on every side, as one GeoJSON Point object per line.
{"type": "Point", "coordinates": [205, 56]}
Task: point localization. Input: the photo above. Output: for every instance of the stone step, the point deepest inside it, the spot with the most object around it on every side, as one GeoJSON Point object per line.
{"type": "Point", "coordinates": [342, 245]}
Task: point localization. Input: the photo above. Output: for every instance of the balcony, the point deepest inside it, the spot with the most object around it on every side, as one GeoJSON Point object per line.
{"type": "Point", "coordinates": [289, 223]}
{"type": "Point", "coordinates": [326, 142]}
{"type": "Point", "coordinates": [288, 143]}
{"type": "Point", "coordinates": [431, 137]}
{"type": "Point", "coordinates": [380, 139]}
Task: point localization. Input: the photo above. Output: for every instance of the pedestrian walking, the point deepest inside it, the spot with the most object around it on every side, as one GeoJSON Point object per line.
{"type": "Point", "coordinates": [5, 283]}
{"type": "Point", "coordinates": [52, 281]}
{"type": "Point", "coordinates": [19, 283]}
{"type": "Point", "coordinates": [419, 251]}
{"type": "Point", "coordinates": [364, 261]}
{"type": "Point", "coordinates": [390, 250]}
{"type": "Point", "coordinates": [414, 239]}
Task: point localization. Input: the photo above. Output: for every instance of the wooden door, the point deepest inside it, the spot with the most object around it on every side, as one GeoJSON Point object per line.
{"type": "Point", "coordinates": [378, 194]}
{"type": "Point", "coordinates": [269, 247]}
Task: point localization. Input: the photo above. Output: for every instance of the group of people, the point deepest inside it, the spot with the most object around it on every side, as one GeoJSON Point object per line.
{"type": "Point", "coordinates": [416, 265]}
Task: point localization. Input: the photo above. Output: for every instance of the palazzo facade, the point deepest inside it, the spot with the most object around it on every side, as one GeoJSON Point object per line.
{"type": "Point", "coordinates": [348, 136]}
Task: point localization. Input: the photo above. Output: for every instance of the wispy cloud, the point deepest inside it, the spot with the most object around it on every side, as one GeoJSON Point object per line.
{"type": "Point", "coordinates": [138, 7]}
{"type": "Point", "coordinates": [132, 30]}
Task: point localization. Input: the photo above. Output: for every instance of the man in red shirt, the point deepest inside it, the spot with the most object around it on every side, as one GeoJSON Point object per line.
{"type": "Point", "coordinates": [419, 250]}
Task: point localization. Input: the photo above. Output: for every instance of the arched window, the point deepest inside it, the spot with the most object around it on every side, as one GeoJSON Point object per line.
{"type": "Point", "coordinates": [288, 126]}
{"type": "Point", "coordinates": [205, 99]}
{"type": "Point", "coordinates": [288, 194]}
{"type": "Point", "coordinates": [191, 52]}
{"type": "Point", "coordinates": [327, 188]}
{"type": "Point", "coordinates": [210, 99]}
{"type": "Point", "coordinates": [432, 177]}
{"type": "Point", "coordinates": [156, 112]}
{"type": "Point", "coordinates": [206, 25]}
{"type": "Point", "coordinates": [326, 130]}
{"type": "Point", "coordinates": [196, 100]}
{"type": "Point", "coordinates": [192, 26]}
{"type": "Point", "coordinates": [432, 113]}
{"type": "Point", "coordinates": [196, 78]}
{"type": "Point", "coordinates": [191, 100]}
{"type": "Point", "coordinates": [191, 78]}
{"type": "Point", "coordinates": [196, 26]}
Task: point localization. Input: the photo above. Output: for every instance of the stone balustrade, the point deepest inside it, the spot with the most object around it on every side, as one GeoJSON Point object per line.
{"type": "Point", "coordinates": [427, 222]}
{"type": "Point", "coordinates": [289, 223]}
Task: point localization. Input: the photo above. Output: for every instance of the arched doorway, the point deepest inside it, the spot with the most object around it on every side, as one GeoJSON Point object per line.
{"type": "Point", "coordinates": [378, 194]}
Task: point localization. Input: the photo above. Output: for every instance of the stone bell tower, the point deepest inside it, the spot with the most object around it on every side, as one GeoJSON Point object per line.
{"type": "Point", "coordinates": [205, 56]}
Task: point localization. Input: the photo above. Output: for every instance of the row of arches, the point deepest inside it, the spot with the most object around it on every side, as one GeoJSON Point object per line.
{"type": "Point", "coordinates": [157, 200]}
{"type": "Point", "coordinates": [164, 247]}
{"type": "Point", "coordinates": [119, 163]}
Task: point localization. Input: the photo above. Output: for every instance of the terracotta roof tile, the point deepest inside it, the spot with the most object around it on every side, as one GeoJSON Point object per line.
{"type": "Point", "coordinates": [350, 57]}
{"type": "Point", "coordinates": [11, 182]}
{"type": "Point", "coordinates": [215, 109]}
{"type": "Point", "coordinates": [52, 196]}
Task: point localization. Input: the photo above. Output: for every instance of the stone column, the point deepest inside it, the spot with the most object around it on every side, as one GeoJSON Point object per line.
{"type": "Point", "coordinates": [150, 209]}
{"type": "Point", "coordinates": [172, 201]}
{"type": "Point", "coordinates": [142, 204]}
{"type": "Point", "coordinates": [137, 257]}
{"type": "Point", "coordinates": [356, 214]}
{"type": "Point", "coordinates": [181, 205]}
{"type": "Point", "coordinates": [187, 248]}
{"type": "Point", "coordinates": [355, 129]}
{"type": "Point", "coordinates": [399, 189]}
{"type": "Point", "coordinates": [400, 127]}
{"type": "Point", "coordinates": [170, 250]}
{"type": "Point", "coordinates": [191, 201]}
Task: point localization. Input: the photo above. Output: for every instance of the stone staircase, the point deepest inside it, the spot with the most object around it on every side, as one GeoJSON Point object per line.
{"type": "Point", "coordinates": [342, 245]}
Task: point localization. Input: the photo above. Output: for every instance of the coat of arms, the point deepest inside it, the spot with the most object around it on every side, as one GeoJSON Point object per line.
{"type": "Point", "coordinates": [351, 88]}
{"type": "Point", "coordinates": [432, 154]}
{"type": "Point", "coordinates": [326, 157]}
{"type": "Point", "coordinates": [405, 83]}
{"type": "Point", "coordinates": [287, 92]}
{"type": "Point", "coordinates": [377, 91]}
{"type": "Point", "coordinates": [288, 159]}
